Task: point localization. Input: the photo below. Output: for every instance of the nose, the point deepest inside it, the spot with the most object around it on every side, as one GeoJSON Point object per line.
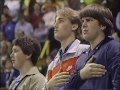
{"type": "Point", "coordinates": [11, 55]}
{"type": "Point", "coordinates": [55, 25]}
{"type": "Point", "coordinates": [84, 24]}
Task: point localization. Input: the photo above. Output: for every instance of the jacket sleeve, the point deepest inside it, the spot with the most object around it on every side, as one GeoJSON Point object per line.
{"type": "Point", "coordinates": [116, 81]}
{"type": "Point", "coordinates": [114, 65]}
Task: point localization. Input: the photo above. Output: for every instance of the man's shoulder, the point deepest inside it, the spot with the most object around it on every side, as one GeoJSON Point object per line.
{"type": "Point", "coordinates": [113, 44]}
{"type": "Point", "coordinates": [38, 76]}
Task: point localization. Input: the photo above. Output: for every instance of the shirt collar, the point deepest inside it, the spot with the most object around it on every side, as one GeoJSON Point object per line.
{"type": "Point", "coordinates": [72, 48]}
{"type": "Point", "coordinates": [32, 71]}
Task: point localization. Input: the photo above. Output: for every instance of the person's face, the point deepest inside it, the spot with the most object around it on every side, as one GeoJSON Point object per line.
{"type": "Point", "coordinates": [2, 36]}
{"type": "Point", "coordinates": [41, 25]}
{"type": "Point", "coordinates": [6, 10]}
{"type": "Point", "coordinates": [22, 20]}
{"type": "Point", "coordinates": [8, 64]}
{"type": "Point", "coordinates": [3, 19]}
{"type": "Point", "coordinates": [20, 34]}
{"type": "Point", "coordinates": [18, 57]}
{"type": "Point", "coordinates": [37, 7]}
{"type": "Point", "coordinates": [63, 28]}
{"type": "Point", "coordinates": [4, 48]}
{"type": "Point", "coordinates": [90, 28]}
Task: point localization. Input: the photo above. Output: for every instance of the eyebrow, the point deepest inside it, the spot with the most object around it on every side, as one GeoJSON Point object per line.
{"type": "Point", "coordinates": [14, 49]}
{"type": "Point", "coordinates": [59, 18]}
{"type": "Point", "coordinates": [88, 18]}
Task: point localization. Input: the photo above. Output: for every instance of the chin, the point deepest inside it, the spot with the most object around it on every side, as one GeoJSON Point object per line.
{"type": "Point", "coordinates": [15, 66]}
{"type": "Point", "coordinates": [57, 37]}
{"type": "Point", "coordinates": [87, 38]}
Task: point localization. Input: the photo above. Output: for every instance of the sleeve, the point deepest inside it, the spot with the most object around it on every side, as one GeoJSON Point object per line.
{"type": "Point", "coordinates": [116, 81]}
{"type": "Point", "coordinates": [114, 65]}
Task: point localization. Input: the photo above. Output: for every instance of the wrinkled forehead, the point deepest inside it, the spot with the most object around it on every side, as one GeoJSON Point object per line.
{"type": "Point", "coordinates": [60, 17]}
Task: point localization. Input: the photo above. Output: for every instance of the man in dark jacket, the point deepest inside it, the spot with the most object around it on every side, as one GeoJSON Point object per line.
{"type": "Point", "coordinates": [96, 29]}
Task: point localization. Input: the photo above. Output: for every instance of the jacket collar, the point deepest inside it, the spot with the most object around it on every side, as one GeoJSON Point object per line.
{"type": "Point", "coordinates": [72, 48]}
{"type": "Point", "coordinates": [32, 71]}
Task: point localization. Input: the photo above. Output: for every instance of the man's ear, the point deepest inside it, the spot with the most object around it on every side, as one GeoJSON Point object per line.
{"type": "Point", "coordinates": [28, 56]}
{"type": "Point", "coordinates": [74, 27]}
{"type": "Point", "coordinates": [102, 27]}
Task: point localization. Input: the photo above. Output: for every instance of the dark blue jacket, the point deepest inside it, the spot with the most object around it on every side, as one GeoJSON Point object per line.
{"type": "Point", "coordinates": [108, 55]}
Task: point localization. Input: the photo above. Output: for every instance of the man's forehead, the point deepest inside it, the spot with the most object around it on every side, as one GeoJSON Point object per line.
{"type": "Point", "coordinates": [15, 47]}
{"type": "Point", "coordinates": [58, 17]}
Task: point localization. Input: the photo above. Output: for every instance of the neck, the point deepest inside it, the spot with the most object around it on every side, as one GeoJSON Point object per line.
{"type": "Point", "coordinates": [25, 68]}
{"type": "Point", "coordinates": [96, 41]}
{"type": "Point", "coordinates": [66, 42]}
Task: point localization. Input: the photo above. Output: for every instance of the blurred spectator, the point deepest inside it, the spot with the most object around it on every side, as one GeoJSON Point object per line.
{"type": "Point", "coordinates": [4, 51]}
{"type": "Point", "coordinates": [23, 26]}
{"type": "Point", "coordinates": [20, 34]}
{"type": "Point", "coordinates": [2, 36]}
{"type": "Point", "coordinates": [118, 21]}
{"type": "Point", "coordinates": [55, 4]}
{"type": "Point", "coordinates": [116, 34]}
{"type": "Point", "coordinates": [9, 73]}
{"type": "Point", "coordinates": [14, 6]}
{"type": "Point", "coordinates": [3, 40]}
{"type": "Point", "coordinates": [8, 27]}
{"type": "Point", "coordinates": [41, 1]}
{"type": "Point", "coordinates": [49, 16]}
{"type": "Point", "coordinates": [41, 33]}
{"type": "Point", "coordinates": [82, 5]}
{"type": "Point", "coordinates": [36, 15]}
{"type": "Point", "coordinates": [6, 10]}
{"type": "Point", "coordinates": [114, 6]}
{"type": "Point", "coordinates": [74, 4]}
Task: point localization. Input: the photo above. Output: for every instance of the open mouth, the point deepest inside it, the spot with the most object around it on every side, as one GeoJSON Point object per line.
{"type": "Point", "coordinates": [84, 31]}
{"type": "Point", "coordinates": [55, 30]}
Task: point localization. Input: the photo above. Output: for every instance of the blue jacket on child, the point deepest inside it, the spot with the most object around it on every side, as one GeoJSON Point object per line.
{"type": "Point", "coordinates": [107, 54]}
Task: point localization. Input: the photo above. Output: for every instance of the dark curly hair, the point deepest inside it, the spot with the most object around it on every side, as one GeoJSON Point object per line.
{"type": "Point", "coordinates": [29, 46]}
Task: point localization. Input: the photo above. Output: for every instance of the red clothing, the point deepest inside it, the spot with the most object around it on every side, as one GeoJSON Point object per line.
{"type": "Point", "coordinates": [35, 19]}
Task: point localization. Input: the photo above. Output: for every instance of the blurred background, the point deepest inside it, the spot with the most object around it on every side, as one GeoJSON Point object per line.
{"type": "Point", "coordinates": [35, 18]}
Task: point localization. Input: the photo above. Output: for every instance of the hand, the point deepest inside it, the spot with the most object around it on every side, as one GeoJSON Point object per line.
{"type": "Point", "coordinates": [58, 79]}
{"type": "Point", "coordinates": [92, 69]}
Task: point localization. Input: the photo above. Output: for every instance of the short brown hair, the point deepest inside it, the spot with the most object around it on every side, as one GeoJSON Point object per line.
{"type": "Point", "coordinates": [73, 16]}
{"type": "Point", "coordinates": [101, 13]}
{"type": "Point", "coordinates": [29, 46]}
